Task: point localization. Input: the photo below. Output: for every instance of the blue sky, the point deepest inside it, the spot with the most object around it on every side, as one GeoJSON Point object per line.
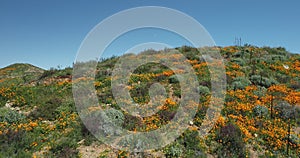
{"type": "Point", "coordinates": [48, 33]}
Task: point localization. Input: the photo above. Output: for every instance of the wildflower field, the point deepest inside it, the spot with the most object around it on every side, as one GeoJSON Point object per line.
{"type": "Point", "coordinates": [260, 118]}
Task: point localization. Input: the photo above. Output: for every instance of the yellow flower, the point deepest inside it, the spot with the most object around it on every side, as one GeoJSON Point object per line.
{"type": "Point", "coordinates": [51, 127]}
{"type": "Point", "coordinates": [33, 124]}
{"type": "Point", "coordinates": [170, 101]}
{"type": "Point", "coordinates": [168, 73]}
{"type": "Point", "coordinates": [34, 144]}
{"type": "Point", "coordinates": [20, 126]}
{"type": "Point", "coordinates": [28, 128]}
{"type": "Point", "coordinates": [193, 128]}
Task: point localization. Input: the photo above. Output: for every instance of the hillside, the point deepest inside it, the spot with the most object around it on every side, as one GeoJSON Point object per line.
{"type": "Point", "coordinates": [20, 73]}
{"type": "Point", "coordinates": [260, 118]}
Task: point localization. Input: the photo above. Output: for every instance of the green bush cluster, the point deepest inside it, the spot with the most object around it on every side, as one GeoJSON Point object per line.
{"type": "Point", "coordinates": [65, 148]}
{"type": "Point", "coordinates": [15, 144]}
{"type": "Point", "coordinates": [203, 90]}
{"type": "Point", "coordinates": [174, 150]}
{"type": "Point", "coordinates": [260, 111]}
{"type": "Point", "coordinates": [116, 116]}
{"type": "Point", "coordinates": [260, 92]}
{"type": "Point", "coordinates": [173, 79]}
{"type": "Point", "coordinates": [47, 110]}
{"type": "Point", "coordinates": [240, 83]}
{"type": "Point", "coordinates": [231, 139]}
{"type": "Point", "coordinates": [10, 116]}
{"type": "Point", "coordinates": [262, 81]}
{"type": "Point", "coordinates": [187, 145]}
{"type": "Point", "coordinates": [238, 61]}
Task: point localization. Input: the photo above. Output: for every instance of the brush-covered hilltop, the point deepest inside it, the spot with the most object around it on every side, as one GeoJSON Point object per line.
{"type": "Point", "coordinates": [260, 118]}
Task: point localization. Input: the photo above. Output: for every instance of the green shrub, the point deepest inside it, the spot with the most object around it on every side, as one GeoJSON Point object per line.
{"type": "Point", "coordinates": [260, 92]}
{"type": "Point", "coordinates": [173, 79]}
{"type": "Point", "coordinates": [285, 110]}
{"type": "Point", "coordinates": [238, 54]}
{"type": "Point", "coordinates": [48, 73]}
{"type": "Point", "coordinates": [103, 122]}
{"type": "Point", "coordinates": [3, 101]}
{"type": "Point", "coordinates": [141, 91]}
{"type": "Point", "coordinates": [48, 110]}
{"type": "Point", "coordinates": [272, 81]}
{"type": "Point", "coordinates": [10, 116]}
{"type": "Point", "coordinates": [200, 115]}
{"type": "Point", "coordinates": [282, 78]}
{"type": "Point", "coordinates": [14, 144]}
{"type": "Point", "coordinates": [174, 150]}
{"type": "Point", "coordinates": [177, 91]}
{"type": "Point", "coordinates": [65, 148]}
{"type": "Point", "coordinates": [240, 83]}
{"type": "Point", "coordinates": [131, 122]}
{"type": "Point", "coordinates": [231, 139]}
{"type": "Point", "coordinates": [116, 116]}
{"type": "Point", "coordinates": [263, 81]}
{"type": "Point", "coordinates": [66, 107]}
{"type": "Point", "coordinates": [192, 55]}
{"type": "Point", "coordinates": [278, 57]}
{"type": "Point", "coordinates": [294, 139]}
{"type": "Point", "coordinates": [260, 111]}
{"type": "Point", "coordinates": [191, 140]}
{"type": "Point", "coordinates": [238, 61]}
{"type": "Point", "coordinates": [203, 90]}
